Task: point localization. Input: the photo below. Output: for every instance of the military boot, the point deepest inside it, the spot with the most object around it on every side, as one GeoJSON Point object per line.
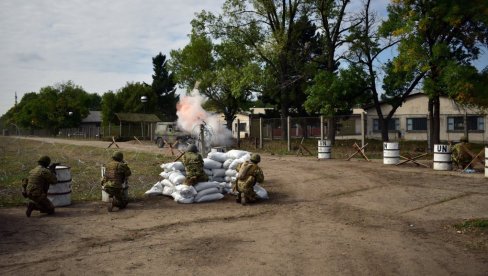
{"type": "Point", "coordinates": [243, 199]}
{"type": "Point", "coordinates": [238, 198]}
{"type": "Point", "coordinates": [30, 208]}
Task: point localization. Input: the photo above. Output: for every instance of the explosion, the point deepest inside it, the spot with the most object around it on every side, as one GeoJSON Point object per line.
{"type": "Point", "coordinates": [191, 115]}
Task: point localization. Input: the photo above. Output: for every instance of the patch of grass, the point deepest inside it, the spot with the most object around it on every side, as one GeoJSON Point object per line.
{"type": "Point", "coordinates": [19, 156]}
{"type": "Point", "coordinates": [479, 223]}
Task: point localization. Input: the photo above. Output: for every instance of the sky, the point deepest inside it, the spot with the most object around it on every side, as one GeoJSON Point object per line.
{"type": "Point", "coordinates": [98, 44]}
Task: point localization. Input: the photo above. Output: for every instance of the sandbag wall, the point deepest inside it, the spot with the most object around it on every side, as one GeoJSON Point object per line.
{"type": "Point", "coordinates": [221, 170]}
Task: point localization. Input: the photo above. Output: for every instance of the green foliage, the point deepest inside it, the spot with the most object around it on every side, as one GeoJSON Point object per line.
{"type": "Point", "coordinates": [163, 87]}
{"type": "Point", "coordinates": [63, 105]}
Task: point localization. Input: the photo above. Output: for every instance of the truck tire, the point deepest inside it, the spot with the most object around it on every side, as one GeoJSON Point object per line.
{"type": "Point", "coordinates": [160, 143]}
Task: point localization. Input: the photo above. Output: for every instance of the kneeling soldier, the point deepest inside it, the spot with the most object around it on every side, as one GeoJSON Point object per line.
{"type": "Point", "coordinates": [36, 186]}
{"type": "Point", "coordinates": [249, 174]}
{"type": "Point", "coordinates": [116, 174]}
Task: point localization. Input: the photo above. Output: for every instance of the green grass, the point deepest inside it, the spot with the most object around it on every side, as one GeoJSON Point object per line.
{"type": "Point", "coordinates": [473, 224]}
{"type": "Point", "coordinates": [19, 156]}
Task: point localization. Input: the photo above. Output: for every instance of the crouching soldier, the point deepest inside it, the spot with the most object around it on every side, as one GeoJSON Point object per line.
{"type": "Point", "coordinates": [249, 174]}
{"type": "Point", "coordinates": [193, 162]}
{"type": "Point", "coordinates": [460, 153]}
{"type": "Point", "coordinates": [35, 187]}
{"type": "Point", "coordinates": [116, 174]}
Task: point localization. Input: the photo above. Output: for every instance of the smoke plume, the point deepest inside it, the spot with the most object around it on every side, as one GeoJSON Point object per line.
{"type": "Point", "coordinates": [191, 115]}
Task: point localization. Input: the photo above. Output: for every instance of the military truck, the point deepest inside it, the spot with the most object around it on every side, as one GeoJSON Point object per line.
{"type": "Point", "coordinates": [169, 132]}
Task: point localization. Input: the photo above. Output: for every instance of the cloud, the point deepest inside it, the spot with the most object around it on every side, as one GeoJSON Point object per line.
{"type": "Point", "coordinates": [99, 44]}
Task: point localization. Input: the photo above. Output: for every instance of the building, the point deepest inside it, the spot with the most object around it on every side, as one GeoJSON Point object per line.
{"type": "Point", "coordinates": [411, 121]}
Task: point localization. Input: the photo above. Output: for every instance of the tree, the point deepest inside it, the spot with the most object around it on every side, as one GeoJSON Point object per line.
{"type": "Point", "coordinates": [163, 87]}
{"type": "Point", "coordinates": [437, 36]}
{"type": "Point", "coordinates": [224, 72]}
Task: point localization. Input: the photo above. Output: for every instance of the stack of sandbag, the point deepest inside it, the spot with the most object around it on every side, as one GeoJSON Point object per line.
{"type": "Point", "coordinates": [172, 185]}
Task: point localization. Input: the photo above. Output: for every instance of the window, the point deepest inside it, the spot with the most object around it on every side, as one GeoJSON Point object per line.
{"type": "Point", "coordinates": [416, 124]}
{"type": "Point", "coordinates": [242, 126]}
{"type": "Point", "coordinates": [393, 125]}
{"type": "Point", "coordinates": [475, 123]}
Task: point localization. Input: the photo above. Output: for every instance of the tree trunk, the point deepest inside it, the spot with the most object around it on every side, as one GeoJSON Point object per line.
{"type": "Point", "coordinates": [437, 121]}
{"type": "Point", "coordinates": [431, 125]}
{"type": "Point", "coordinates": [383, 124]}
{"type": "Point", "coordinates": [331, 129]}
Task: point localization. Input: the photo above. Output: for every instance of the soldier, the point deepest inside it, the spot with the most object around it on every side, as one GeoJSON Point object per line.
{"type": "Point", "coordinates": [249, 174]}
{"type": "Point", "coordinates": [116, 174]}
{"type": "Point", "coordinates": [193, 162]}
{"type": "Point", "coordinates": [36, 186]}
{"type": "Point", "coordinates": [460, 155]}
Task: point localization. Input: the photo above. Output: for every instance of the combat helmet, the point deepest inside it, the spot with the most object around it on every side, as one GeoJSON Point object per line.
{"type": "Point", "coordinates": [118, 156]}
{"type": "Point", "coordinates": [44, 161]}
{"type": "Point", "coordinates": [192, 148]}
{"type": "Point", "coordinates": [255, 158]}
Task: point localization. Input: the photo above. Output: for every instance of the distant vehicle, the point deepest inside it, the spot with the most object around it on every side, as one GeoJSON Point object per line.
{"type": "Point", "coordinates": [169, 132]}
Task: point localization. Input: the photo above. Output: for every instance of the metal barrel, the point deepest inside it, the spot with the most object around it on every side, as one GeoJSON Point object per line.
{"type": "Point", "coordinates": [391, 153]}
{"type": "Point", "coordinates": [442, 157]}
{"type": "Point", "coordinates": [324, 149]}
{"type": "Point", "coordinates": [60, 193]}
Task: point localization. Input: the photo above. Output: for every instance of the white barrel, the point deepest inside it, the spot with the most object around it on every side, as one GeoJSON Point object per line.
{"type": "Point", "coordinates": [486, 162]}
{"type": "Point", "coordinates": [217, 149]}
{"type": "Point", "coordinates": [105, 195]}
{"type": "Point", "coordinates": [324, 149]}
{"type": "Point", "coordinates": [391, 153]}
{"type": "Point", "coordinates": [442, 157]}
{"type": "Point", "coordinates": [60, 194]}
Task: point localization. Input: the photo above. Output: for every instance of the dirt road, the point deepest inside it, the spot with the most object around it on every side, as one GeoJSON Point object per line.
{"type": "Point", "coordinates": [329, 217]}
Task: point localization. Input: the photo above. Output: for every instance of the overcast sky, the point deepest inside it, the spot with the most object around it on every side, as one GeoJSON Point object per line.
{"type": "Point", "coordinates": [98, 44]}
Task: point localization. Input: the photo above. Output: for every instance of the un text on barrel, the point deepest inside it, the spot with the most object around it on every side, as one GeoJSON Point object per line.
{"type": "Point", "coordinates": [442, 157]}
{"type": "Point", "coordinates": [105, 195]}
{"type": "Point", "coordinates": [486, 162]}
{"type": "Point", "coordinates": [391, 153]}
{"type": "Point", "coordinates": [60, 193]}
{"type": "Point", "coordinates": [324, 149]}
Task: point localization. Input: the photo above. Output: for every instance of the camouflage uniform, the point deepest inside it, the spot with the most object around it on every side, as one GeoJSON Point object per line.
{"type": "Point", "coordinates": [116, 173]}
{"type": "Point", "coordinates": [36, 190]}
{"type": "Point", "coordinates": [460, 156]}
{"type": "Point", "coordinates": [194, 168]}
{"type": "Point", "coordinates": [249, 174]}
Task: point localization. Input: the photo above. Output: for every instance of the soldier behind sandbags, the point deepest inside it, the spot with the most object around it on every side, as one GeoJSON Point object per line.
{"type": "Point", "coordinates": [193, 162]}
{"type": "Point", "coordinates": [460, 155]}
{"type": "Point", "coordinates": [249, 174]}
{"type": "Point", "coordinates": [116, 174]}
{"type": "Point", "coordinates": [36, 186]}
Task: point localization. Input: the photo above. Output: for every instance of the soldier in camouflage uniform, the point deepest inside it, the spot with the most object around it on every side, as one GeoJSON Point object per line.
{"type": "Point", "coordinates": [459, 154]}
{"type": "Point", "coordinates": [194, 166]}
{"type": "Point", "coordinates": [36, 186]}
{"type": "Point", "coordinates": [116, 174]}
{"type": "Point", "coordinates": [249, 174]}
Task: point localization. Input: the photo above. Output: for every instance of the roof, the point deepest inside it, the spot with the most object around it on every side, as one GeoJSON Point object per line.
{"type": "Point", "coordinates": [93, 117]}
{"type": "Point", "coordinates": [137, 117]}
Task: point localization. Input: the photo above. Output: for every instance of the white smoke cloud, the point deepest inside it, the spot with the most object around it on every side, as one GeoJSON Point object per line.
{"type": "Point", "coordinates": [191, 115]}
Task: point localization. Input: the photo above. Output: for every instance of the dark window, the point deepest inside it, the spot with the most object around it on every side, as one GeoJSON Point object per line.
{"type": "Point", "coordinates": [393, 125]}
{"type": "Point", "coordinates": [416, 124]}
{"type": "Point", "coordinates": [476, 123]}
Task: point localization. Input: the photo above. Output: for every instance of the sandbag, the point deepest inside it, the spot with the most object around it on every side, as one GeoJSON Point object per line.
{"type": "Point", "coordinates": [186, 191]}
{"type": "Point", "coordinates": [208, 172]}
{"type": "Point", "coordinates": [230, 172]}
{"type": "Point", "coordinates": [156, 189]}
{"type": "Point", "coordinates": [168, 183]}
{"type": "Point", "coordinates": [211, 164]}
{"type": "Point", "coordinates": [217, 156]}
{"type": "Point", "coordinates": [260, 192]}
{"type": "Point", "coordinates": [176, 178]}
{"type": "Point", "coordinates": [173, 166]}
{"type": "Point", "coordinates": [218, 178]}
{"type": "Point", "coordinates": [168, 190]}
{"type": "Point", "coordinates": [207, 192]}
{"type": "Point", "coordinates": [210, 197]}
{"type": "Point", "coordinates": [205, 185]}
{"type": "Point", "coordinates": [227, 163]}
{"type": "Point", "coordinates": [165, 174]}
{"type": "Point", "coordinates": [218, 172]}
{"type": "Point", "coordinates": [178, 198]}
{"type": "Point", "coordinates": [235, 154]}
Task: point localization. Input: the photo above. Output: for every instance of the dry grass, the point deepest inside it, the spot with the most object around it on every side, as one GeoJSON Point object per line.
{"type": "Point", "coordinates": [18, 156]}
